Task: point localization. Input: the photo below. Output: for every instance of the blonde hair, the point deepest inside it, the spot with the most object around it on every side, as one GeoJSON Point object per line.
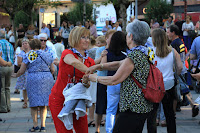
{"type": "Point", "coordinates": [109, 32]}
{"type": "Point", "coordinates": [160, 41]}
{"type": "Point", "coordinates": [75, 35]}
{"type": "Point", "coordinates": [92, 40]}
{"type": "Point", "coordinates": [101, 39]}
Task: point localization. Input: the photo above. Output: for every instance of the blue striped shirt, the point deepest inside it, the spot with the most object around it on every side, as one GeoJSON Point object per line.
{"type": "Point", "coordinates": [7, 51]}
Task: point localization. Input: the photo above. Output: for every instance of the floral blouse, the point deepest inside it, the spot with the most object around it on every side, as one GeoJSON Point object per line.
{"type": "Point", "coordinates": [131, 96]}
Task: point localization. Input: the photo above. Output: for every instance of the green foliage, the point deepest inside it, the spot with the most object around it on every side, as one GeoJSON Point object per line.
{"type": "Point", "coordinates": [76, 13]}
{"type": "Point", "coordinates": [158, 9]}
{"type": "Point", "coordinates": [23, 18]}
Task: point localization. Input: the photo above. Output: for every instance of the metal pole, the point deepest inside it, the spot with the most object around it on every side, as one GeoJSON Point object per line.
{"type": "Point", "coordinates": [136, 9]}
{"type": "Point", "coordinates": [185, 8]}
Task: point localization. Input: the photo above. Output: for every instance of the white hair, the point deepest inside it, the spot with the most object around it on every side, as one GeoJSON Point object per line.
{"type": "Point", "coordinates": [140, 31]}
{"type": "Point", "coordinates": [42, 35]}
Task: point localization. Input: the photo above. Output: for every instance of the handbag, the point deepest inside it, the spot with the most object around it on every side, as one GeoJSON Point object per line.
{"type": "Point", "coordinates": [155, 90]}
{"type": "Point", "coordinates": [176, 81]}
{"type": "Point", "coordinates": [69, 85]}
{"type": "Point", "coordinates": [192, 33]}
{"type": "Point", "coordinates": [196, 68]}
{"type": "Point", "coordinates": [180, 82]}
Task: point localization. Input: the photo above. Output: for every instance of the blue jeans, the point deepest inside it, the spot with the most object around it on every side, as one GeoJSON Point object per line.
{"type": "Point", "coordinates": [188, 42]}
{"type": "Point", "coordinates": [112, 105]}
{"type": "Point", "coordinates": [160, 112]}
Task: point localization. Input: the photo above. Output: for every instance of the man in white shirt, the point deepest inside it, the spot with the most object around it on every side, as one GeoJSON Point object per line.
{"type": "Point", "coordinates": [44, 29]}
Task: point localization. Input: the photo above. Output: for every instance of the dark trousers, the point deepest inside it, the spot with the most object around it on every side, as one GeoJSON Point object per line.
{"type": "Point", "coordinates": [65, 41]}
{"type": "Point", "coordinates": [151, 120]}
{"type": "Point", "coordinates": [129, 122]}
{"type": "Point", "coordinates": [168, 111]}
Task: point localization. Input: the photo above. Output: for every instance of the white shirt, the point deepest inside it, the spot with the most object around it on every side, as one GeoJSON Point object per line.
{"type": "Point", "coordinates": [17, 51]}
{"type": "Point", "coordinates": [11, 37]}
{"type": "Point", "coordinates": [59, 49]}
{"type": "Point", "coordinates": [189, 26]}
{"type": "Point", "coordinates": [49, 44]}
{"type": "Point", "coordinates": [118, 28]}
{"type": "Point", "coordinates": [165, 65]}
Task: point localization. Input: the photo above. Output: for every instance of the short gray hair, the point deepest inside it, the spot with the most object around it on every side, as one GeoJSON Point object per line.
{"type": "Point", "coordinates": [140, 31]}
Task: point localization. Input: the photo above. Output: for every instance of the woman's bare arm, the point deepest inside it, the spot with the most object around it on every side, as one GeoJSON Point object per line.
{"type": "Point", "coordinates": [179, 64]}
{"type": "Point", "coordinates": [21, 70]}
{"type": "Point", "coordinates": [19, 61]}
{"type": "Point", "coordinates": [71, 60]}
{"type": "Point", "coordinates": [122, 73]}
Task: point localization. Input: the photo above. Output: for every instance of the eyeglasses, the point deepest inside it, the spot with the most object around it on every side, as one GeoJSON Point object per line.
{"type": "Point", "coordinates": [43, 40]}
{"type": "Point", "coordinates": [86, 38]}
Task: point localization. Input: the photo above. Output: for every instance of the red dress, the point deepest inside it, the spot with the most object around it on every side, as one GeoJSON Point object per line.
{"type": "Point", "coordinates": [56, 98]}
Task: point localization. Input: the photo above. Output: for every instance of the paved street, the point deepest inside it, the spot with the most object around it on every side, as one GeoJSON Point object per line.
{"type": "Point", "coordinates": [19, 120]}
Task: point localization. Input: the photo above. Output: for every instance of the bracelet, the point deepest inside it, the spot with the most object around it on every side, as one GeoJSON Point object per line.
{"type": "Point", "coordinates": [97, 79]}
{"type": "Point", "coordinates": [101, 66]}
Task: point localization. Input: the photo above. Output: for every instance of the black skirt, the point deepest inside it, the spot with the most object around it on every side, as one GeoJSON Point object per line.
{"type": "Point", "coordinates": [101, 103]}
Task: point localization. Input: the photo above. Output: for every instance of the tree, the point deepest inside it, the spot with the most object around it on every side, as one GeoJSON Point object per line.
{"type": "Point", "coordinates": [24, 18]}
{"type": "Point", "coordinates": [12, 7]}
{"type": "Point", "coordinates": [158, 9]}
{"type": "Point", "coordinates": [76, 13]}
{"type": "Point", "coordinates": [120, 8]}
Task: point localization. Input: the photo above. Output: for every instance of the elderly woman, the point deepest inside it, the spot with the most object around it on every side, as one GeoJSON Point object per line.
{"type": "Point", "coordinates": [39, 65]}
{"type": "Point", "coordinates": [73, 62]}
{"type": "Point", "coordinates": [134, 108]}
{"type": "Point", "coordinates": [30, 32]}
{"type": "Point", "coordinates": [21, 81]}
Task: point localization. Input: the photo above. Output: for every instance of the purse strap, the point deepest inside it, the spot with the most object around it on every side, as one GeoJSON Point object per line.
{"type": "Point", "coordinates": [45, 62]}
{"type": "Point", "coordinates": [135, 80]}
{"type": "Point", "coordinates": [74, 79]}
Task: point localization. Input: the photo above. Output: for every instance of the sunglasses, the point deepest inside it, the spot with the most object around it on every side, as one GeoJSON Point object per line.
{"type": "Point", "coordinates": [43, 40]}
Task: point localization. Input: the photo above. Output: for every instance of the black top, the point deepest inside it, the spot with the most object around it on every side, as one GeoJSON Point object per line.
{"type": "Point", "coordinates": [179, 24]}
{"type": "Point", "coordinates": [21, 33]}
{"type": "Point", "coordinates": [112, 57]}
{"type": "Point", "coordinates": [180, 48]}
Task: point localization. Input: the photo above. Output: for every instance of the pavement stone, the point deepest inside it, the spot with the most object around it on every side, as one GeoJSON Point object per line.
{"type": "Point", "coordinates": [19, 120]}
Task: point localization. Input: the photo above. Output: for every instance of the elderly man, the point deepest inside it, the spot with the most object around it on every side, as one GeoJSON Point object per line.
{"type": "Point", "coordinates": [44, 29]}
{"type": "Point", "coordinates": [106, 27]}
{"type": "Point", "coordinates": [47, 46]}
{"type": "Point", "coordinates": [7, 51]}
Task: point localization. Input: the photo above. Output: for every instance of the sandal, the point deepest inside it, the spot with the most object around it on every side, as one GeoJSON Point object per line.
{"type": "Point", "coordinates": [91, 123]}
{"type": "Point", "coordinates": [195, 110]}
{"type": "Point", "coordinates": [34, 129]}
{"type": "Point", "coordinates": [102, 123]}
{"type": "Point", "coordinates": [42, 129]}
{"type": "Point", "coordinates": [24, 106]}
{"type": "Point", "coordinates": [16, 92]}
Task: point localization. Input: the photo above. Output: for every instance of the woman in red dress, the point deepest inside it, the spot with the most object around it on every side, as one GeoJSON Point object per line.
{"type": "Point", "coordinates": [76, 57]}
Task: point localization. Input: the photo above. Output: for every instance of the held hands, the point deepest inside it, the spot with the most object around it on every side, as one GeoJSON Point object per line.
{"type": "Point", "coordinates": [85, 79]}
{"type": "Point", "coordinates": [92, 69]}
{"type": "Point", "coordinates": [89, 77]}
{"type": "Point", "coordinates": [9, 64]}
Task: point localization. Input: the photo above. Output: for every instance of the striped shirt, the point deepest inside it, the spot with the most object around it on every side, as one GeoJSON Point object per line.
{"type": "Point", "coordinates": [7, 51]}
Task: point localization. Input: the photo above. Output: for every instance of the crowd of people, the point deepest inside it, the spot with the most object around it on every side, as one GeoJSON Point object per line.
{"type": "Point", "coordinates": [46, 66]}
